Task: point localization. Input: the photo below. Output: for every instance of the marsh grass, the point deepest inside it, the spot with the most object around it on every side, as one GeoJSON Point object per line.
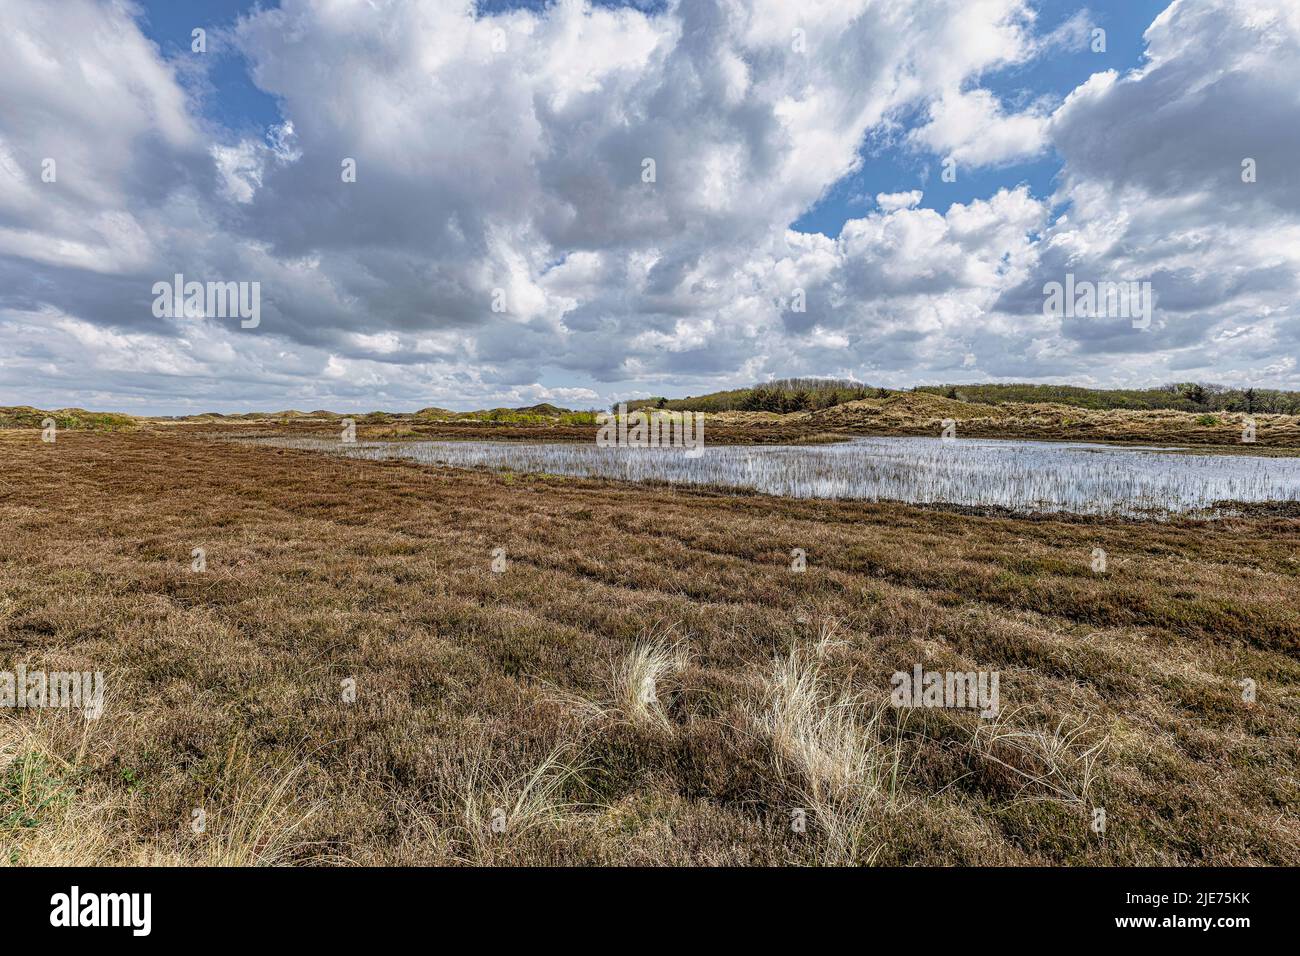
{"type": "Point", "coordinates": [827, 737]}
{"type": "Point", "coordinates": [500, 812]}
{"type": "Point", "coordinates": [831, 747]}
{"type": "Point", "coordinates": [259, 816]}
{"type": "Point", "coordinates": [1029, 477]}
{"type": "Point", "coordinates": [640, 679]}
{"type": "Point", "coordinates": [1060, 763]}
{"type": "Point", "coordinates": [637, 684]}
{"type": "Point", "coordinates": [322, 568]}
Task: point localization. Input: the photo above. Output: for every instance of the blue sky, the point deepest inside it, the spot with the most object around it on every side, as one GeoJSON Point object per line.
{"type": "Point", "coordinates": [501, 244]}
{"type": "Point", "coordinates": [235, 102]}
{"type": "Point", "coordinates": [892, 169]}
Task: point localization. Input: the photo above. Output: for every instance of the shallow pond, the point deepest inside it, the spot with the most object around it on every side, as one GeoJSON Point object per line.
{"type": "Point", "coordinates": [1024, 476]}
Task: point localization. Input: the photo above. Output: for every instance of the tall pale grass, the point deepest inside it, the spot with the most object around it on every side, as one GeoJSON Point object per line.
{"type": "Point", "coordinates": [1060, 764]}
{"type": "Point", "coordinates": [830, 745]}
{"type": "Point", "coordinates": [637, 683]}
{"type": "Point", "coordinates": [640, 678]}
{"type": "Point", "coordinates": [498, 809]}
{"type": "Point", "coordinates": [827, 736]}
{"type": "Point", "coordinates": [260, 819]}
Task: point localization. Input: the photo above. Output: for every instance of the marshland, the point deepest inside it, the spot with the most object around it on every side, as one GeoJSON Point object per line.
{"type": "Point", "coordinates": [389, 658]}
{"type": "Point", "coordinates": [1020, 476]}
{"type": "Point", "coordinates": [361, 560]}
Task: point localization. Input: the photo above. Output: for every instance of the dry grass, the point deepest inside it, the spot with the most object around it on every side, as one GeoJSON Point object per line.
{"type": "Point", "coordinates": [1060, 764]}
{"type": "Point", "coordinates": [828, 737]}
{"type": "Point", "coordinates": [500, 810]}
{"type": "Point", "coordinates": [258, 820]}
{"type": "Point", "coordinates": [225, 688]}
{"type": "Point", "coordinates": [828, 744]}
{"type": "Point", "coordinates": [640, 678]}
{"type": "Point", "coordinates": [638, 684]}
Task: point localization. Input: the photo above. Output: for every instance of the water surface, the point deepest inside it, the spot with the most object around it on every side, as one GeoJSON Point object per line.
{"type": "Point", "coordinates": [1024, 476]}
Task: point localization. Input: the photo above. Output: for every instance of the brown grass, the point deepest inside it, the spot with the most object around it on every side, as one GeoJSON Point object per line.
{"type": "Point", "coordinates": [226, 688]}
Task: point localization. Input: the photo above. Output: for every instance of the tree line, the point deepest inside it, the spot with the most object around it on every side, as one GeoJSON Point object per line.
{"type": "Point", "coordinates": [786, 395]}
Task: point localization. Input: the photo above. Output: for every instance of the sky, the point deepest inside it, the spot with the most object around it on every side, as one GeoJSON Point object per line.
{"type": "Point", "coordinates": [433, 202]}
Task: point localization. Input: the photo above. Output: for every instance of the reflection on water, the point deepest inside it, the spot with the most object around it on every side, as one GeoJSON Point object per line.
{"type": "Point", "coordinates": [1026, 476]}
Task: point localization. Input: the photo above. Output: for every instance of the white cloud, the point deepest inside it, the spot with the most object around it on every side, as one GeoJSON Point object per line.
{"type": "Point", "coordinates": [974, 129]}
{"type": "Point", "coordinates": [1153, 178]}
{"type": "Point", "coordinates": [520, 170]}
{"type": "Point", "coordinates": [889, 202]}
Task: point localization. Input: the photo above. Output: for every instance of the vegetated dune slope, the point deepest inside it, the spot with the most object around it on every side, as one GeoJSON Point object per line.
{"type": "Point", "coordinates": [922, 413]}
{"type": "Point", "coordinates": [898, 413]}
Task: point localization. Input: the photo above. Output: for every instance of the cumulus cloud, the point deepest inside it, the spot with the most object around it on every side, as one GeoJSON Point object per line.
{"type": "Point", "coordinates": [574, 203]}
{"type": "Point", "coordinates": [974, 129]}
{"type": "Point", "coordinates": [1153, 179]}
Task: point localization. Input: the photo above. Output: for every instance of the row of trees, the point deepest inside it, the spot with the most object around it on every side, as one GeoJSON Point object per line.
{"type": "Point", "coordinates": [807, 394]}
{"type": "Point", "coordinates": [804, 394]}
{"type": "Point", "coordinates": [780, 395]}
{"type": "Point", "coordinates": [1220, 398]}
{"type": "Point", "coordinates": [1178, 396]}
